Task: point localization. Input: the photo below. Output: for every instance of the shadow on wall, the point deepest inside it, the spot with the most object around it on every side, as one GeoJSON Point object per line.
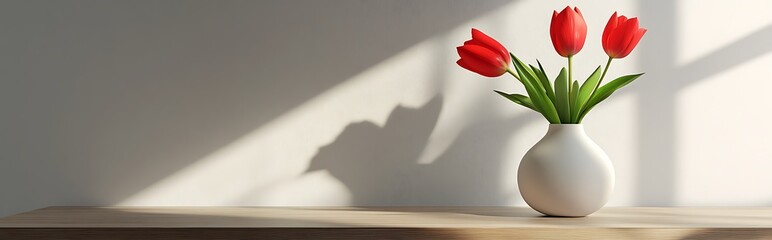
{"type": "Point", "coordinates": [379, 165]}
{"type": "Point", "coordinates": [101, 99]}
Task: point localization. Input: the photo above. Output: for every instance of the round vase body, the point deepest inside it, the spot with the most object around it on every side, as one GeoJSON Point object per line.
{"type": "Point", "coordinates": [566, 174]}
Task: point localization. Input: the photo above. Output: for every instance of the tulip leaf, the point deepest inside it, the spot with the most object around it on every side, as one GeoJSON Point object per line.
{"type": "Point", "coordinates": [544, 81]}
{"type": "Point", "coordinates": [586, 90]}
{"type": "Point", "coordinates": [530, 71]}
{"type": "Point", "coordinates": [519, 99]}
{"type": "Point", "coordinates": [536, 93]}
{"type": "Point", "coordinates": [547, 79]}
{"type": "Point", "coordinates": [606, 90]}
{"type": "Point", "coordinates": [520, 79]}
{"type": "Point", "coordinates": [561, 95]}
{"type": "Point", "coordinates": [533, 76]}
{"type": "Point", "coordinates": [572, 101]}
{"type": "Point", "coordinates": [530, 87]}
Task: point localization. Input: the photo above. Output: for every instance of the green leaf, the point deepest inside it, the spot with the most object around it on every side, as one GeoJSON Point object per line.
{"type": "Point", "coordinates": [572, 101]}
{"type": "Point", "coordinates": [513, 63]}
{"type": "Point", "coordinates": [536, 93]}
{"type": "Point", "coordinates": [588, 87]}
{"type": "Point", "coordinates": [527, 70]}
{"type": "Point", "coordinates": [561, 95]}
{"type": "Point", "coordinates": [606, 90]}
{"type": "Point", "coordinates": [544, 81]}
{"type": "Point", "coordinates": [530, 88]}
{"type": "Point", "coordinates": [544, 73]}
{"type": "Point", "coordinates": [519, 99]}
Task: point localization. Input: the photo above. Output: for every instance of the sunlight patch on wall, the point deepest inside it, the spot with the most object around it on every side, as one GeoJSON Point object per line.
{"type": "Point", "coordinates": [724, 137]}
{"type": "Point", "coordinates": [704, 26]}
{"type": "Point", "coordinates": [318, 187]}
{"type": "Point", "coordinates": [280, 150]}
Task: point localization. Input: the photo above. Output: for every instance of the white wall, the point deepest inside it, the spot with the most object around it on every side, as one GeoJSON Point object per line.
{"type": "Point", "coordinates": [361, 103]}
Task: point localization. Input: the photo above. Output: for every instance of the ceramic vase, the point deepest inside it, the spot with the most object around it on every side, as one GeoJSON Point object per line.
{"type": "Point", "coordinates": [566, 173]}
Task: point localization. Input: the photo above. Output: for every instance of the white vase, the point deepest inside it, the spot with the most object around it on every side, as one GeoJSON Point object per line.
{"type": "Point", "coordinates": [566, 174]}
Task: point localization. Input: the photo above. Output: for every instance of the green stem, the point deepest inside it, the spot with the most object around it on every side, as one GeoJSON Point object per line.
{"type": "Point", "coordinates": [570, 76]}
{"type": "Point", "coordinates": [605, 70]}
{"type": "Point", "coordinates": [514, 74]}
{"type": "Point", "coordinates": [603, 75]}
{"type": "Point", "coordinates": [570, 84]}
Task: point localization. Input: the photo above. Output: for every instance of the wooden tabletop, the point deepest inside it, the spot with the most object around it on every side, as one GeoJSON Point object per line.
{"type": "Point", "coordinates": [383, 223]}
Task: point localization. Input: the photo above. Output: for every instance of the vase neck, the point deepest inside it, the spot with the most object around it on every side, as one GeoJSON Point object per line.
{"type": "Point", "coordinates": [565, 128]}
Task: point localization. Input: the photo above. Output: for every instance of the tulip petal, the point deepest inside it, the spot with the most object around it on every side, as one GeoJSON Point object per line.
{"type": "Point", "coordinates": [580, 32]}
{"type": "Point", "coordinates": [554, 35]}
{"type": "Point", "coordinates": [610, 26]}
{"type": "Point", "coordinates": [567, 31]}
{"type": "Point", "coordinates": [620, 37]}
{"type": "Point", "coordinates": [621, 20]}
{"type": "Point", "coordinates": [633, 42]}
{"type": "Point", "coordinates": [482, 60]}
{"type": "Point", "coordinates": [482, 71]}
{"type": "Point", "coordinates": [465, 65]}
{"type": "Point", "coordinates": [480, 38]}
{"type": "Point", "coordinates": [478, 43]}
{"type": "Point", "coordinates": [482, 54]}
{"type": "Point", "coordinates": [560, 27]}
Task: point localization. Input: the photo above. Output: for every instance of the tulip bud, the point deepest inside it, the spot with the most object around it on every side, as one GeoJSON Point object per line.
{"type": "Point", "coordinates": [568, 31]}
{"type": "Point", "coordinates": [621, 36]}
{"type": "Point", "coordinates": [483, 55]}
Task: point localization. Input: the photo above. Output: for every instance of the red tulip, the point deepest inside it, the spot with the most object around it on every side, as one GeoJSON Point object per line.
{"type": "Point", "coordinates": [568, 31]}
{"type": "Point", "coordinates": [621, 36]}
{"type": "Point", "coordinates": [483, 55]}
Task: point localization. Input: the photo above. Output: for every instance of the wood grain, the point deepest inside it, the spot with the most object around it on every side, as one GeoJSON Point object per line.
{"type": "Point", "coordinates": [383, 223]}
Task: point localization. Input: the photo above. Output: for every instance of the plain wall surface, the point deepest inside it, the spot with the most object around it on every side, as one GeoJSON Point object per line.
{"type": "Point", "coordinates": [286, 103]}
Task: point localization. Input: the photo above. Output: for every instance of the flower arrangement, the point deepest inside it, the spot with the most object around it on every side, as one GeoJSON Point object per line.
{"type": "Point", "coordinates": [567, 101]}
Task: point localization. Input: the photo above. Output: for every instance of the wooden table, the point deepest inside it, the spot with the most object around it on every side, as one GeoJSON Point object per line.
{"type": "Point", "coordinates": [383, 223]}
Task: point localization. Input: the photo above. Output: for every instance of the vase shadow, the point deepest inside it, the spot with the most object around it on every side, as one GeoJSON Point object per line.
{"type": "Point", "coordinates": [379, 165]}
